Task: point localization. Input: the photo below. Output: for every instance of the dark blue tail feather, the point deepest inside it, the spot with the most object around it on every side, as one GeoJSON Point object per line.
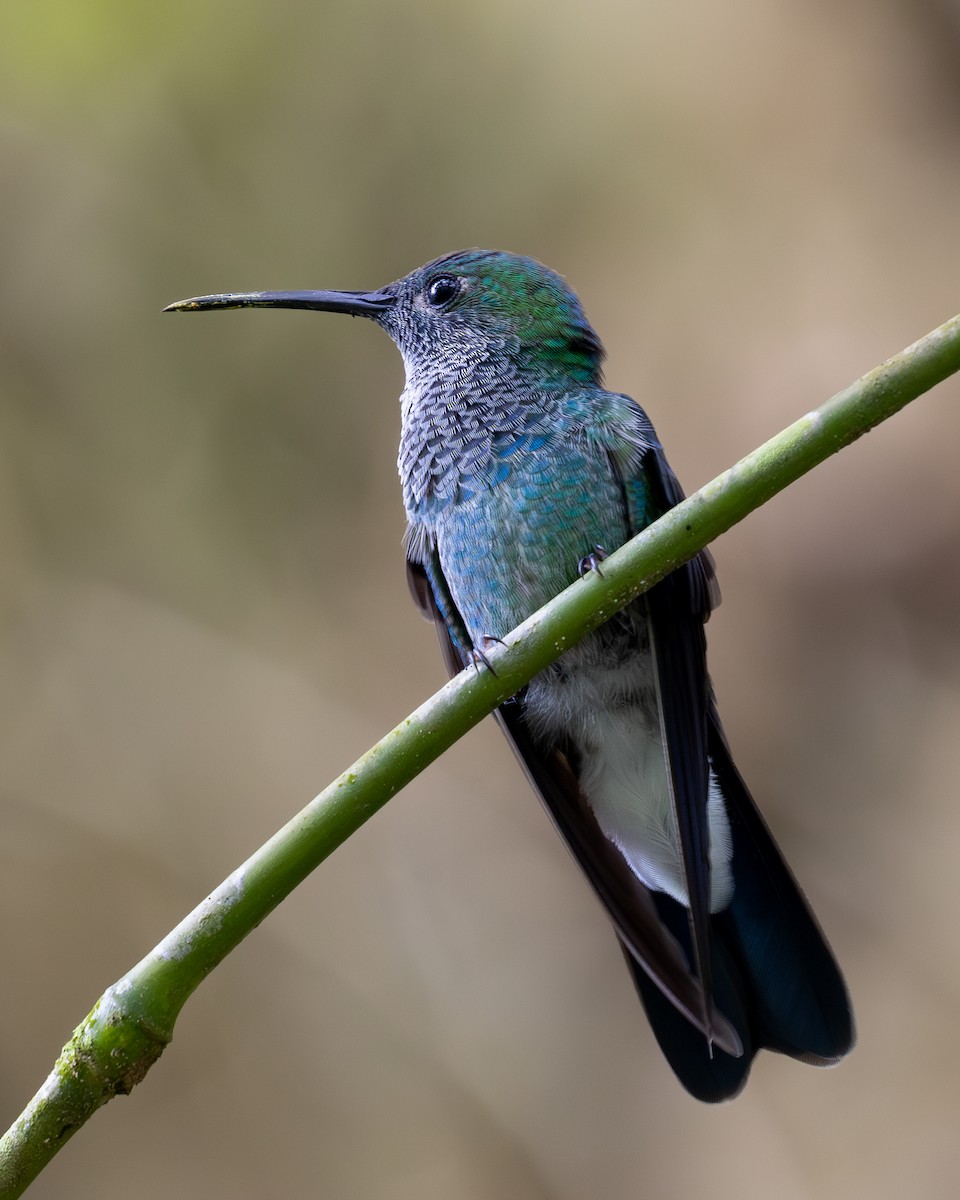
{"type": "Point", "coordinates": [774, 975]}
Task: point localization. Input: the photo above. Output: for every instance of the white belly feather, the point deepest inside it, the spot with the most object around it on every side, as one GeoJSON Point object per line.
{"type": "Point", "coordinates": [599, 705]}
{"type": "Point", "coordinates": [623, 775]}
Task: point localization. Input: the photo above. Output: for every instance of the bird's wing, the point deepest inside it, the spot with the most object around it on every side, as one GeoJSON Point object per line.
{"type": "Point", "coordinates": [676, 610]}
{"type": "Point", "coordinates": [769, 968]}
{"type": "Point", "coordinates": [553, 773]}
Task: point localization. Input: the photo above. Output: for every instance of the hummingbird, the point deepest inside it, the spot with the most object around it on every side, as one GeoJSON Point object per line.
{"type": "Point", "coordinates": [519, 473]}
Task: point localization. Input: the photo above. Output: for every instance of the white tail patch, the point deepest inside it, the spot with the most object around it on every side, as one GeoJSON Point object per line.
{"type": "Point", "coordinates": [624, 777]}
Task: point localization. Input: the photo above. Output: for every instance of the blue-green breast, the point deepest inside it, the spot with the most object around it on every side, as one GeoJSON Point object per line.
{"type": "Point", "coordinates": [512, 546]}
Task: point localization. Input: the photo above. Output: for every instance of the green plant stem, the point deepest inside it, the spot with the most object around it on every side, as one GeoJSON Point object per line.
{"type": "Point", "coordinates": [132, 1022]}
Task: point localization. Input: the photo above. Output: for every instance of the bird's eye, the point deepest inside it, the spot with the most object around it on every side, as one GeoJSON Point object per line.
{"type": "Point", "coordinates": [442, 290]}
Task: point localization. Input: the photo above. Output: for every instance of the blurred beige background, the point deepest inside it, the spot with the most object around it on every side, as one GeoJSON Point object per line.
{"type": "Point", "coordinates": [204, 616]}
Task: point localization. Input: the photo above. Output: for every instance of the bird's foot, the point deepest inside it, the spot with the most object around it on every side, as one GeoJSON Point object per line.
{"type": "Point", "coordinates": [592, 561]}
{"type": "Point", "coordinates": [477, 657]}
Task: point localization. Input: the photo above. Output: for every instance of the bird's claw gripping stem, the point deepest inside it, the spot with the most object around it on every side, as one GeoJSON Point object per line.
{"type": "Point", "coordinates": [592, 561]}
{"type": "Point", "coordinates": [477, 657]}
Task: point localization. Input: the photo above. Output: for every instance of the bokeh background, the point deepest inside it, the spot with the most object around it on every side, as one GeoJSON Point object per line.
{"type": "Point", "coordinates": [204, 616]}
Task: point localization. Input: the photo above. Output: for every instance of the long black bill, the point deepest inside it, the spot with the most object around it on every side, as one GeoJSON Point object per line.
{"type": "Point", "coordinates": [357, 304]}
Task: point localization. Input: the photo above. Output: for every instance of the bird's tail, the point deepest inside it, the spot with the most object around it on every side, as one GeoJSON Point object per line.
{"type": "Point", "coordinates": [775, 978]}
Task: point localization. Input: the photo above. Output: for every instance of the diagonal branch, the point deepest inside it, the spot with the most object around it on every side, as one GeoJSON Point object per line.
{"type": "Point", "coordinates": [131, 1023]}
